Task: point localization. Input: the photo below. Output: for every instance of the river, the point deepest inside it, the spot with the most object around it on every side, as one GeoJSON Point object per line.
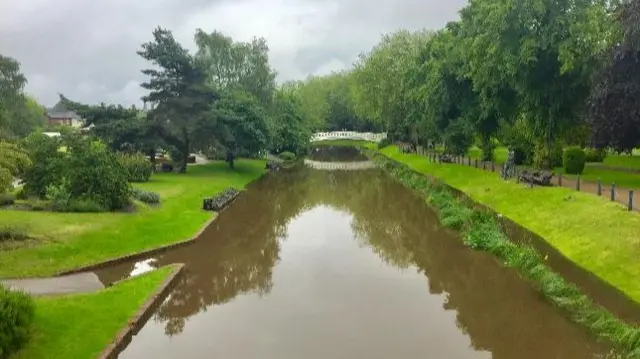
{"type": "Point", "coordinates": [344, 264]}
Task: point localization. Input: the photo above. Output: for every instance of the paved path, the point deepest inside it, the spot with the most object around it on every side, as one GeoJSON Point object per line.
{"type": "Point", "coordinates": [75, 283]}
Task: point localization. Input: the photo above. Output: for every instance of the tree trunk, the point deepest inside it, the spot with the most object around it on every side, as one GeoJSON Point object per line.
{"type": "Point", "coordinates": [230, 158]}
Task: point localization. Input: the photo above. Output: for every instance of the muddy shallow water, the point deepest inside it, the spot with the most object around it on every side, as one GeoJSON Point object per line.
{"type": "Point", "coordinates": [344, 264]}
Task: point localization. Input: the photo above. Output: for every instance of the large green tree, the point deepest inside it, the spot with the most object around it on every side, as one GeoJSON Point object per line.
{"type": "Point", "coordinates": [614, 104]}
{"type": "Point", "coordinates": [232, 65]}
{"type": "Point", "coordinates": [13, 160]}
{"type": "Point", "coordinates": [179, 89]}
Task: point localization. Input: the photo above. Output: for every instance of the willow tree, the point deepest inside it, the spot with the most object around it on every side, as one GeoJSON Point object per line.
{"type": "Point", "coordinates": [13, 160]}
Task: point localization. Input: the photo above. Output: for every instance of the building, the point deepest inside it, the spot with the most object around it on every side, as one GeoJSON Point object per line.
{"type": "Point", "coordinates": [60, 115]}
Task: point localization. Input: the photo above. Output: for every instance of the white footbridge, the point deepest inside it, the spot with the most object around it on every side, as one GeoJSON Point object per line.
{"type": "Point", "coordinates": [348, 135]}
{"type": "Point", "coordinates": [340, 166]}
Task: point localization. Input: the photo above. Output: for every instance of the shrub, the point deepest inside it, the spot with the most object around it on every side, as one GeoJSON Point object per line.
{"type": "Point", "coordinates": [145, 196]}
{"type": "Point", "coordinates": [58, 195]}
{"type": "Point", "coordinates": [595, 155]}
{"type": "Point", "coordinates": [38, 205]}
{"type": "Point", "coordinates": [287, 156]}
{"type": "Point", "coordinates": [138, 167]}
{"type": "Point", "coordinates": [84, 205]}
{"type": "Point", "coordinates": [22, 194]}
{"type": "Point", "coordinates": [541, 155]}
{"type": "Point", "coordinates": [386, 142]}
{"type": "Point", "coordinates": [7, 199]}
{"type": "Point", "coordinates": [94, 172]}
{"type": "Point", "coordinates": [17, 311]}
{"type": "Point", "coordinates": [47, 164]}
{"type": "Point", "coordinates": [573, 160]}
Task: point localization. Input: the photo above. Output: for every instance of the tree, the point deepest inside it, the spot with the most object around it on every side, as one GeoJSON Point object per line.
{"type": "Point", "coordinates": [13, 160]}
{"type": "Point", "coordinates": [120, 128]}
{"type": "Point", "coordinates": [236, 65]}
{"type": "Point", "coordinates": [289, 131]}
{"type": "Point", "coordinates": [179, 91]}
{"type": "Point", "coordinates": [543, 50]}
{"type": "Point", "coordinates": [19, 114]}
{"type": "Point", "coordinates": [614, 103]}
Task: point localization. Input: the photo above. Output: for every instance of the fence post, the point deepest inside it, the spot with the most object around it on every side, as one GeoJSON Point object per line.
{"type": "Point", "coordinates": [613, 192]}
{"type": "Point", "coordinates": [599, 187]}
{"type": "Point", "coordinates": [476, 163]}
{"type": "Point", "coordinates": [484, 165]}
{"type": "Point", "coordinates": [469, 162]}
{"type": "Point", "coordinates": [517, 176]}
{"type": "Point", "coordinates": [578, 183]}
{"type": "Point", "coordinates": [631, 200]}
{"type": "Point", "coordinates": [531, 182]}
{"type": "Point", "coordinates": [493, 167]}
{"type": "Point", "coordinates": [560, 178]}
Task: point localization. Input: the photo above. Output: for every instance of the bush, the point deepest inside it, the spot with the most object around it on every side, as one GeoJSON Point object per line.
{"type": "Point", "coordinates": [573, 160]}
{"type": "Point", "coordinates": [22, 194]}
{"type": "Point", "coordinates": [145, 196]}
{"type": "Point", "coordinates": [595, 155]}
{"type": "Point", "coordinates": [47, 164]}
{"type": "Point", "coordinates": [138, 167]}
{"type": "Point", "coordinates": [94, 172]}
{"type": "Point", "coordinates": [7, 199]}
{"type": "Point", "coordinates": [541, 155]}
{"type": "Point", "coordinates": [59, 195]}
{"type": "Point", "coordinates": [84, 205]}
{"type": "Point", "coordinates": [386, 142]}
{"type": "Point", "coordinates": [17, 311]}
{"type": "Point", "coordinates": [38, 205]}
{"type": "Point", "coordinates": [287, 156]}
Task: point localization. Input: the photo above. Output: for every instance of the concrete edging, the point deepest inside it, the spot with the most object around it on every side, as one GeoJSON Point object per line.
{"type": "Point", "coordinates": [141, 316]}
{"type": "Point", "coordinates": [149, 252]}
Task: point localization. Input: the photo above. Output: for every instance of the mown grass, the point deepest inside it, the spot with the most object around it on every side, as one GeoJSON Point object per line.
{"type": "Point", "coordinates": [71, 240]}
{"type": "Point", "coordinates": [481, 231]}
{"type": "Point", "coordinates": [607, 176]}
{"type": "Point", "coordinates": [623, 161]}
{"type": "Point", "coordinates": [599, 235]}
{"type": "Point", "coordinates": [81, 326]}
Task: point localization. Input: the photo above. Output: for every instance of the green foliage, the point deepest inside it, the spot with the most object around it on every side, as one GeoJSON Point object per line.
{"type": "Point", "coordinates": [287, 156]}
{"type": "Point", "coordinates": [84, 205]}
{"type": "Point", "coordinates": [59, 195]}
{"type": "Point", "coordinates": [542, 157]}
{"type": "Point", "coordinates": [48, 164]}
{"type": "Point", "coordinates": [13, 161]}
{"type": "Point", "coordinates": [595, 154]}
{"type": "Point", "coordinates": [289, 132]}
{"type": "Point", "coordinates": [17, 311]}
{"type": "Point", "coordinates": [384, 143]}
{"type": "Point", "coordinates": [7, 199]}
{"type": "Point", "coordinates": [148, 197]}
{"type": "Point", "coordinates": [138, 167]}
{"type": "Point", "coordinates": [95, 173]}
{"type": "Point", "coordinates": [12, 233]}
{"type": "Point", "coordinates": [574, 160]}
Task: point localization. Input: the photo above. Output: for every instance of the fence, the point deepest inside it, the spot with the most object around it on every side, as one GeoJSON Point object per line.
{"type": "Point", "coordinates": [628, 197]}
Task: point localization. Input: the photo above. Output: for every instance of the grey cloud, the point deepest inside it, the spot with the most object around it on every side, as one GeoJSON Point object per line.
{"type": "Point", "coordinates": [87, 49]}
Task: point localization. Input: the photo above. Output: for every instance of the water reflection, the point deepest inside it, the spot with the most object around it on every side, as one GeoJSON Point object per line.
{"type": "Point", "coordinates": [365, 272]}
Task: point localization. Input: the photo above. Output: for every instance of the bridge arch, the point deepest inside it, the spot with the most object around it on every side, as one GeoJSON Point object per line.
{"type": "Point", "coordinates": [348, 135]}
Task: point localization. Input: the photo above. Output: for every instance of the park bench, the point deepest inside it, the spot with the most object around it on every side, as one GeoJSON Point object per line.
{"type": "Point", "coordinates": [540, 178]}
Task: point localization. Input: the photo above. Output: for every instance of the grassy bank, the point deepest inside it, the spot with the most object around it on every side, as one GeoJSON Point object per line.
{"type": "Point", "coordinates": [81, 326]}
{"type": "Point", "coordinates": [481, 231]}
{"type": "Point", "coordinates": [71, 240]}
{"type": "Point", "coordinates": [598, 235]}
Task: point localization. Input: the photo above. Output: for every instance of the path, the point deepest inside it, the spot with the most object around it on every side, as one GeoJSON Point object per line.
{"type": "Point", "coordinates": [74, 283]}
{"type": "Point", "coordinates": [621, 194]}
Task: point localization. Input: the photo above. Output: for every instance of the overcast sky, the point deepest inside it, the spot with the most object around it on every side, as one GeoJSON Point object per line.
{"type": "Point", "coordinates": [86, 49]}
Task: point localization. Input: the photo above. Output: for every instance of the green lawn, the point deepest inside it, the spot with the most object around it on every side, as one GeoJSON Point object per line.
{"type": "Point", "coordinates": [500, 154]}
{"type": "Point", "coordinates": [622, 179]}
{"type": "Point", "coordinates": [623, 161]}
{"type": "Point", "coordinates": [81, 326]}
{"type": "Point", "coordinates": [599, 235]}
{"type": "Point", "coordinates": [73, 240]}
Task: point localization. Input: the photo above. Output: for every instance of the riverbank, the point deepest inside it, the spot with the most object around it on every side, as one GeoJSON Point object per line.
{"type": "Point", "coordinates": [598, 235]}
{"type": "Point", "coordinates": [82, 325]}
{"type": "Point", "coordinates": [70, 240]}
{"type": "Point", "coordinates": [481, 231]}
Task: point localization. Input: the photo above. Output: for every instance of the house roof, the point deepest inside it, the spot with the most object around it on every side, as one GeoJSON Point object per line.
{"type": "Point", "coordinates": [61, 111]}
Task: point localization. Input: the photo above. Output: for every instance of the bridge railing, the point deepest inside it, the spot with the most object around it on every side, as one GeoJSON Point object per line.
{"type": "Point", "coordinates": [348, 135]}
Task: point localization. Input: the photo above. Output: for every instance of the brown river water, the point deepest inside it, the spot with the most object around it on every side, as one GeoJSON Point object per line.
{"type": "Point", "coordinates": [344, 264]}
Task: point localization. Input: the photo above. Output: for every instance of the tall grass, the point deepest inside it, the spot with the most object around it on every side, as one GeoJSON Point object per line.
{"type": "Point", "coordinates": [481, 231]}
